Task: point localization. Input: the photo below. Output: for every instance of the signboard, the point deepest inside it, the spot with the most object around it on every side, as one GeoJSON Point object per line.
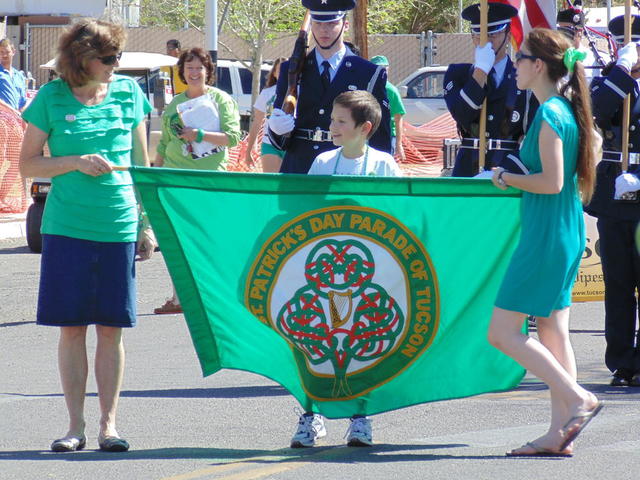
{"type": "Point", "coordinates": [92, 8]}
{"type": "Point", "coordinates": [589, 286]}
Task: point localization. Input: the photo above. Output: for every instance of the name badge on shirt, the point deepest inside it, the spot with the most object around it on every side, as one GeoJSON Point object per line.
{"type": "Point", "coordinates": [70, 117]}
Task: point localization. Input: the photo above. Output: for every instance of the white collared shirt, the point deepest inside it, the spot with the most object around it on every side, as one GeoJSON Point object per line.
{"type": "Point", "coordinates": [334, 60]}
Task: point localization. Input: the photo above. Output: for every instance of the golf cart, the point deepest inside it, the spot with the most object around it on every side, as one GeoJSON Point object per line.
{"type": "Point", "coordinates": [140, 65]}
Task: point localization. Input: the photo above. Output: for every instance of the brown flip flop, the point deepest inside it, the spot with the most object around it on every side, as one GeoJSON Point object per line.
{"type": "Point", "coordinates": [538, 451]}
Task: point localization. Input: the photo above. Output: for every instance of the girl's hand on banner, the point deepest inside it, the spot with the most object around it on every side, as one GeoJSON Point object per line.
{"type": "Point", "coordinates": [497, 179]}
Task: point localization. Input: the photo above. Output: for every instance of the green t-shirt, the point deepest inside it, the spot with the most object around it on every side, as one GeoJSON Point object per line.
{"type": "Point", "coordinates": [395, 105]}
{"type": "Point", "coordinates": [99, 208]}
{"type": "Point", "coordinates": [174, 150]}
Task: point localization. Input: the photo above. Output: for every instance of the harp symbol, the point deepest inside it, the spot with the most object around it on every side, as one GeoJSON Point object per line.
{"type": "Point", "coordinates": [340, 307]}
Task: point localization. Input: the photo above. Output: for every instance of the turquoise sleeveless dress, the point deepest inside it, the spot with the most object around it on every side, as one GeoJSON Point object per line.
{"type": "Point", "coordinates": [543, 268]}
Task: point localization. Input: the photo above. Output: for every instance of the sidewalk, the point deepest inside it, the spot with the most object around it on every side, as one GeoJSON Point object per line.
{"type": "Point", "coordinates": [13, 225]}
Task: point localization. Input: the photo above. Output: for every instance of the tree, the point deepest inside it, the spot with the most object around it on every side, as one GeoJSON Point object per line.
{"type": "Point", "coordinates": [413, 16]}
{"type": "Point", "coordinates": [255, 22]}
{"type": "Point", "coordinates": [172, 14]}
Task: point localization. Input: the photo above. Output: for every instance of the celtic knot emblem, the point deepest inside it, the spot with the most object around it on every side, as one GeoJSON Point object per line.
{"type": "Point", "coordinates": [340, 316]}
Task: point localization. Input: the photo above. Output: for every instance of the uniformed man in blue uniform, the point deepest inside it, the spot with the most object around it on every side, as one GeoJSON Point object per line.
{"type": "Point", "coordinates": [491, 76]}
{"type": "Point", "coordinates": [329, 69]}
{"type": "Point", "coordinates": [618, 217]}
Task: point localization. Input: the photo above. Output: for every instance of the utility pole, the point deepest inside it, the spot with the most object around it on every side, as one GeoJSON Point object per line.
{"type": "Point", "coordinates": [211, 32]}
{"type": "Point", "coordinates": [360, 27]}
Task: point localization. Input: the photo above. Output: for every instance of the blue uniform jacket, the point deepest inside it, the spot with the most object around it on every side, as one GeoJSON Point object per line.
{"type": "Point", "coordinates": [607, 96]}
{"type": "Point", "coordinates": [314, 107]}
{"type": "Point", "coordinates": [509, 112]}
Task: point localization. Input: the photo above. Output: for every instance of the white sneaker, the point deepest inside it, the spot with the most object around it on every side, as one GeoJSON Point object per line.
{"type": "Point", "coordinates": [310, 429]}
{"type": "Point", "coordinates": [359, 432]}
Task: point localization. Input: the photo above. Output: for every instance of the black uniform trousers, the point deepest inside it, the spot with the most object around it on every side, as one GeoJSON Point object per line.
{"type": "Point", "coordinates": [621, 269]}
{"type": "Point", "coordinates": [617, 221]}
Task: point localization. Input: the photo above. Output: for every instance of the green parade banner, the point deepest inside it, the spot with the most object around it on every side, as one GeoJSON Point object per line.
{"type": "Point", "coordinates": [358, 295]}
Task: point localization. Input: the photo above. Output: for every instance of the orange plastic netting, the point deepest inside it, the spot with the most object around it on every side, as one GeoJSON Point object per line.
{"type": "Point", "coordinates": [13, 198]}
{"type": "Point", "coordinates": [422, 148]}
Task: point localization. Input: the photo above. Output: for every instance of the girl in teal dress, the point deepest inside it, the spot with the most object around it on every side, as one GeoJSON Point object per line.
{"type": "Point", "coordinates": [558, 153]}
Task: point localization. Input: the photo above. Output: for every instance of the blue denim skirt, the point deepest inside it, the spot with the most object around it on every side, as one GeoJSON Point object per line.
{"type": "Point", "coordinates": [83, 282]}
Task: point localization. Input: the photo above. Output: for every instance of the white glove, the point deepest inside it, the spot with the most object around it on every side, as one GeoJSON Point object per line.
{"type": "Point", "coordinates": [627, 56]}
{"type": "Point", "coordinates": [625, 183]}
{"type": "Point", "coordinates": [485, 57]}
{"type": "Point", "coordinates": [281, 123]}
{"type": "Point", "coordinates": [484, 174]}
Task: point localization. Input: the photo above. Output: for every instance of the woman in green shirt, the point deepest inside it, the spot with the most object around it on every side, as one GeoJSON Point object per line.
{"type": "Point", "coordinates": [558, 151]}
{"type": "Point", "coordinates": [198, 127]}
{"type": "Point", "coordinates": [92, 120]}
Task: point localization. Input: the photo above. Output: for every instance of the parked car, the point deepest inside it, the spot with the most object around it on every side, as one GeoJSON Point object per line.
{"type": "Point", "coordinates": [422, 93]}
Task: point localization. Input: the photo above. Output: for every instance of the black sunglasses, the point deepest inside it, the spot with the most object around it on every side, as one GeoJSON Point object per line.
{"type": "Point", "coordinates": [110, 59]}
{"type": "Point", "coordinates": [520, 56]}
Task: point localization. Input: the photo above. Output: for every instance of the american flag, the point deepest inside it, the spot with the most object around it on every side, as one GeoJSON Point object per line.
{"type": "Point", "coordinates": [532, 14]}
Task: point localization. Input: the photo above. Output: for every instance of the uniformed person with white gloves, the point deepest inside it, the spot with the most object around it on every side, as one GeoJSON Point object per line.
{"type": "Point", "coordinates": [491, 76]}
{"type": "Point", "coordinates": [616, 205]}
{"type": "Point", "coordinates": [329, 69]}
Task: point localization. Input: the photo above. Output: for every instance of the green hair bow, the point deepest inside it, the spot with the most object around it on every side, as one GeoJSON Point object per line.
{"type": "Point", "coordinates": [571, 56]}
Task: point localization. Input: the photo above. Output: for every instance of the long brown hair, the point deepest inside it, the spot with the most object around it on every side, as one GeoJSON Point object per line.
{"type": "Point", "coordinates": [272, 78]}
{"type": "Point", "coordinates": [550, 46]}
{"type": "Point", "coordinates": [83, 41]}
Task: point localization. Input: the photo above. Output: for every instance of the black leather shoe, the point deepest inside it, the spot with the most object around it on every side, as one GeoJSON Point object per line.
{"type": "Point", "coordinates": [620, 379]}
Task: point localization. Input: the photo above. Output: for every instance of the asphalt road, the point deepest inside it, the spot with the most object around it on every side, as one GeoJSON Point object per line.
{"type": "Point", "coordinates": [236, 425]}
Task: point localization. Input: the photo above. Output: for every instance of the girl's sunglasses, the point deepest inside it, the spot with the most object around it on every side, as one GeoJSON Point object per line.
{"type": "Point", "coordinates": [110, 59]}
{"type": "Point", "coordinates": [519, 56]}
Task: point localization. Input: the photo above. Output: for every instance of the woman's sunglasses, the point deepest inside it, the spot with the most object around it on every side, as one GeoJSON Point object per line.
{"type": "Point", "coordinates": [110, 59]}
{"type": "Point", "coordinates": [519, 56]}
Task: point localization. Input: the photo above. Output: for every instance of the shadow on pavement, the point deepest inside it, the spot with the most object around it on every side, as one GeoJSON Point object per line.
{"type": "Point", "coordinates": [14, 250]}
{"type": "Point", "coordinates": [223, 392]}
{"type": "Point", "coordinates": [226, 392]}
{"type": "Point", "coordinates": [15, 324]}
{"type": "Point", "coordinates": [595, 332]}
{"type": "Point", "coordinates": [382, 453]}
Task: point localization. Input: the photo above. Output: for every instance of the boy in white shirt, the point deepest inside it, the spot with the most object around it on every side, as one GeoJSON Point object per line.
{"type": "Point", "coordinates": [355, 117]}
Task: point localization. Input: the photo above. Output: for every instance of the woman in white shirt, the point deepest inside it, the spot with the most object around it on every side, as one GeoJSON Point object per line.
{"type": "Point", "coordinates": [271, 156]}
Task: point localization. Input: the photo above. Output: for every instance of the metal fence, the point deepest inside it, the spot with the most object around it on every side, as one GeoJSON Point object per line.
{"type": "Point", "coordinates": [406, 53]}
